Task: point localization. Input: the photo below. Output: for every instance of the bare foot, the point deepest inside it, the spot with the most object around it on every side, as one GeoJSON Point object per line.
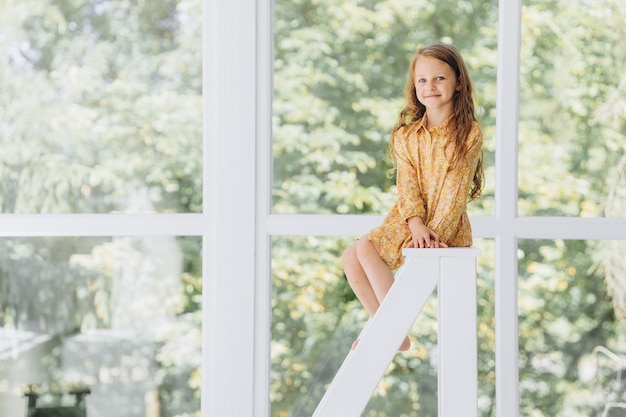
{"type": "Point", "coordinates": [406, 344]}
{"type": "Point", "coordinates": [354, 344]}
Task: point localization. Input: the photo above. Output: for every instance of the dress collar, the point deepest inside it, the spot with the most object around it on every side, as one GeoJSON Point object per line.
{"type": "Point", "coordinates": [423, 122]}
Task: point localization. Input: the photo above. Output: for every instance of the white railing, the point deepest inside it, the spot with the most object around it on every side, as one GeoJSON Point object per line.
{"type": "Point", "coordinates": [453, 272]}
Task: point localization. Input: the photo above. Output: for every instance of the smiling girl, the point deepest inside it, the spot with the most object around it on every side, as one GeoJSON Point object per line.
{"type": "Point", "coordinates": [436, 148]}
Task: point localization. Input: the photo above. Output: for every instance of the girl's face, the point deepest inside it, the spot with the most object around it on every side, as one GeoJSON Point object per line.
{"type": "Point", "coordinates": [435, 84]}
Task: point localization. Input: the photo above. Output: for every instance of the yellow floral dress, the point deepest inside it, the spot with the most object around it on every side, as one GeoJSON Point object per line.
{"type": "Point", "coordinates": [429, 189]}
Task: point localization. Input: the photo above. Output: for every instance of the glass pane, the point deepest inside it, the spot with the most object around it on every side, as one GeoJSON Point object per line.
{"type": "Point", "coordinates": [572, 108]}
{"type": "Point", "coordinates": [100, 106]}
{"type": "Point", "coordinates": [572, 328]}
{"type": "Point", "coordinates": [119, 317]}
{"type": "Point", "coordinates": [339, 75]}
{"type": "Point", "coordinates": [316, 317]}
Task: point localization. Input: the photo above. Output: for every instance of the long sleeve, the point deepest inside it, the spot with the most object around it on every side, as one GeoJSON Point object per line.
{"type": "Point", "coordinates": [452, 202]}
{"type": "Point", "coordinates": [410, 201]}
{"type": "Point", "coordinates": [427, 188]}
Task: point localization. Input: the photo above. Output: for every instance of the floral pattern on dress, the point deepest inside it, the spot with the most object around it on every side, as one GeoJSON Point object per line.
{"type": "Point", "coordinates": [428, 188]}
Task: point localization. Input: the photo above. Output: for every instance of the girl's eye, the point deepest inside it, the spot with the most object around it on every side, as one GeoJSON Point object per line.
{"type": "Point", "coordinates": [440, 78]}
{"type": "Point", "coordinates": [421, 80]}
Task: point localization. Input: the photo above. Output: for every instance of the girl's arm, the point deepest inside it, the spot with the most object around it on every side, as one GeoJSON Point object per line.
{"type": "Point", "coordinates": [452, 202]}
{"type": "Point", "coordinates": [410, 201]}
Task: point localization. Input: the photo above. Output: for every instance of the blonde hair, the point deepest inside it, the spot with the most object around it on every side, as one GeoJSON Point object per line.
{"type": "Point", "coordinates": [463, 114]}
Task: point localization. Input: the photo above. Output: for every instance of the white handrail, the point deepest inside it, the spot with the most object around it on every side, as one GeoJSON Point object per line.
{"type": "Point", "coordinates": [454, 271]}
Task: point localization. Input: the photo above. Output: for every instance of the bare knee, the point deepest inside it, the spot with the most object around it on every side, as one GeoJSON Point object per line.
{"type": "Point", "coordinates": [365, 249]}
{"type": "Point", "coordinates": [349, 258]}
{"type": "Point", "coordinates": [352, 266]}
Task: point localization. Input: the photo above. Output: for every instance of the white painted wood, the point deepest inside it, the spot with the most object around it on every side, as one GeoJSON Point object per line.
{"type": "Point", "coordinates": [482, 226]}
{"type": "Point", "coordinates": [229, 89]}
{"type": "Point", "coordinates": [506, 194]}
{"type": "Point", "coordinates": [236, 317]}
{"type": "Point", "coordinates": [506, 327]}
{"type": "Point", "coordinates": [193, 224]}
{"type": "Point", "coordinates": [350, 390]}
{"type": "Point", "coordinates": [507, 110]}
{"type": "Point", "coordinates": [550, 227]}
{"type": "Point", "coordinates": [263, 255]}
{"type": "Point", "coordinates": [457, 361]}
{"type": "Point", "coordinates": [136, 224]}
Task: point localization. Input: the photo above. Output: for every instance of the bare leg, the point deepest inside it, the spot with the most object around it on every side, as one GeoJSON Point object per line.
{"type": "Point", "coordinates": [378, 273]}
{"type": "Point", "coordinates": [358, 280]}
{"type": "Point", "coordinates": [369, 277]}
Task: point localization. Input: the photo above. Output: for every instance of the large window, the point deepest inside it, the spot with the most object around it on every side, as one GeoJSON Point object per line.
{"type": "Point", "coordinates": [178, 179]}
{"type": "Point", "coordinates": [571, 338]}
{"type": "Point", "coordinates": [119, 316]}
{"type": "Point", "coordinates": [339, 75]}
{"type": "Point", "coordinates": [553, 317]}
{"type": "Point", "coordinates": [101, 137]}
{"type": "Point", "coordinates": [101, 107]}
{"type": "Point", "coordinates": [571, 127]}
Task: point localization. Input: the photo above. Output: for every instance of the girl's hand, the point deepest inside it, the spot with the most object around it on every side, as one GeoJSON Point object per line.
{"type": "Point", "coordinates": [422, 236]}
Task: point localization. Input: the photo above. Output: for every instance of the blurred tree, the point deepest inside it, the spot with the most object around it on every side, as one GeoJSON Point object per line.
{"type": "Point", "coordinates": [340, 70]}
{"type": "Point", "coordinates": [570, 131]}
{"type": "Point", "coordinates": [611, 253]}
{"type": "Point", "coordinates": [116, 88]}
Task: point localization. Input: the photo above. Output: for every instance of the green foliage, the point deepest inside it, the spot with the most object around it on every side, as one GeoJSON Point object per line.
{"type": "Point", "coordinates": [69, 289]}
{"type": "Point", "coordinates": [101, 107]}
{"type": "Point", "coordinates": [562, 319]}
{"type": "Point", "coordinates": [34, 277]}
{"type": "Point", "coordinates": [571, 125]}
{"type": "Point", "coordinates": [340, 70]}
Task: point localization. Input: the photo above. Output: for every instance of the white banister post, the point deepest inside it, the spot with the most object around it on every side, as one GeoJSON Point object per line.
{"type": "Point", "coordinates": [458, 355]}
{"type": "Point", "coordinates": [380, 339]}
{"type": "Point", "coordinates": [454, 269]}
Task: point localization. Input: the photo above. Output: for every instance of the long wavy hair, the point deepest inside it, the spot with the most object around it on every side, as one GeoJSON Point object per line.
{"type": "Point", "coordinates": [463, 114]}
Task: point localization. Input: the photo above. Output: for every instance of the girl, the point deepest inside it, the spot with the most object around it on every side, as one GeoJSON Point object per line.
{"type": "Point", "coordinates": [436, 150]}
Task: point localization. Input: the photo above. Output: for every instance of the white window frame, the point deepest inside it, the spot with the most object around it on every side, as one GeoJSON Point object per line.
{"type": "Point", "coordinates": [236, 224]}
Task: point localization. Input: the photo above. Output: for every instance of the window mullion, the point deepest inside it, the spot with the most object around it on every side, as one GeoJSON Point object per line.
{"type": "Point", "coordinates": [506, 192]}
{"type": "Point", "coordinates": [263, 294]}
{"type": "Point", "coordinates": [229, 246]}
